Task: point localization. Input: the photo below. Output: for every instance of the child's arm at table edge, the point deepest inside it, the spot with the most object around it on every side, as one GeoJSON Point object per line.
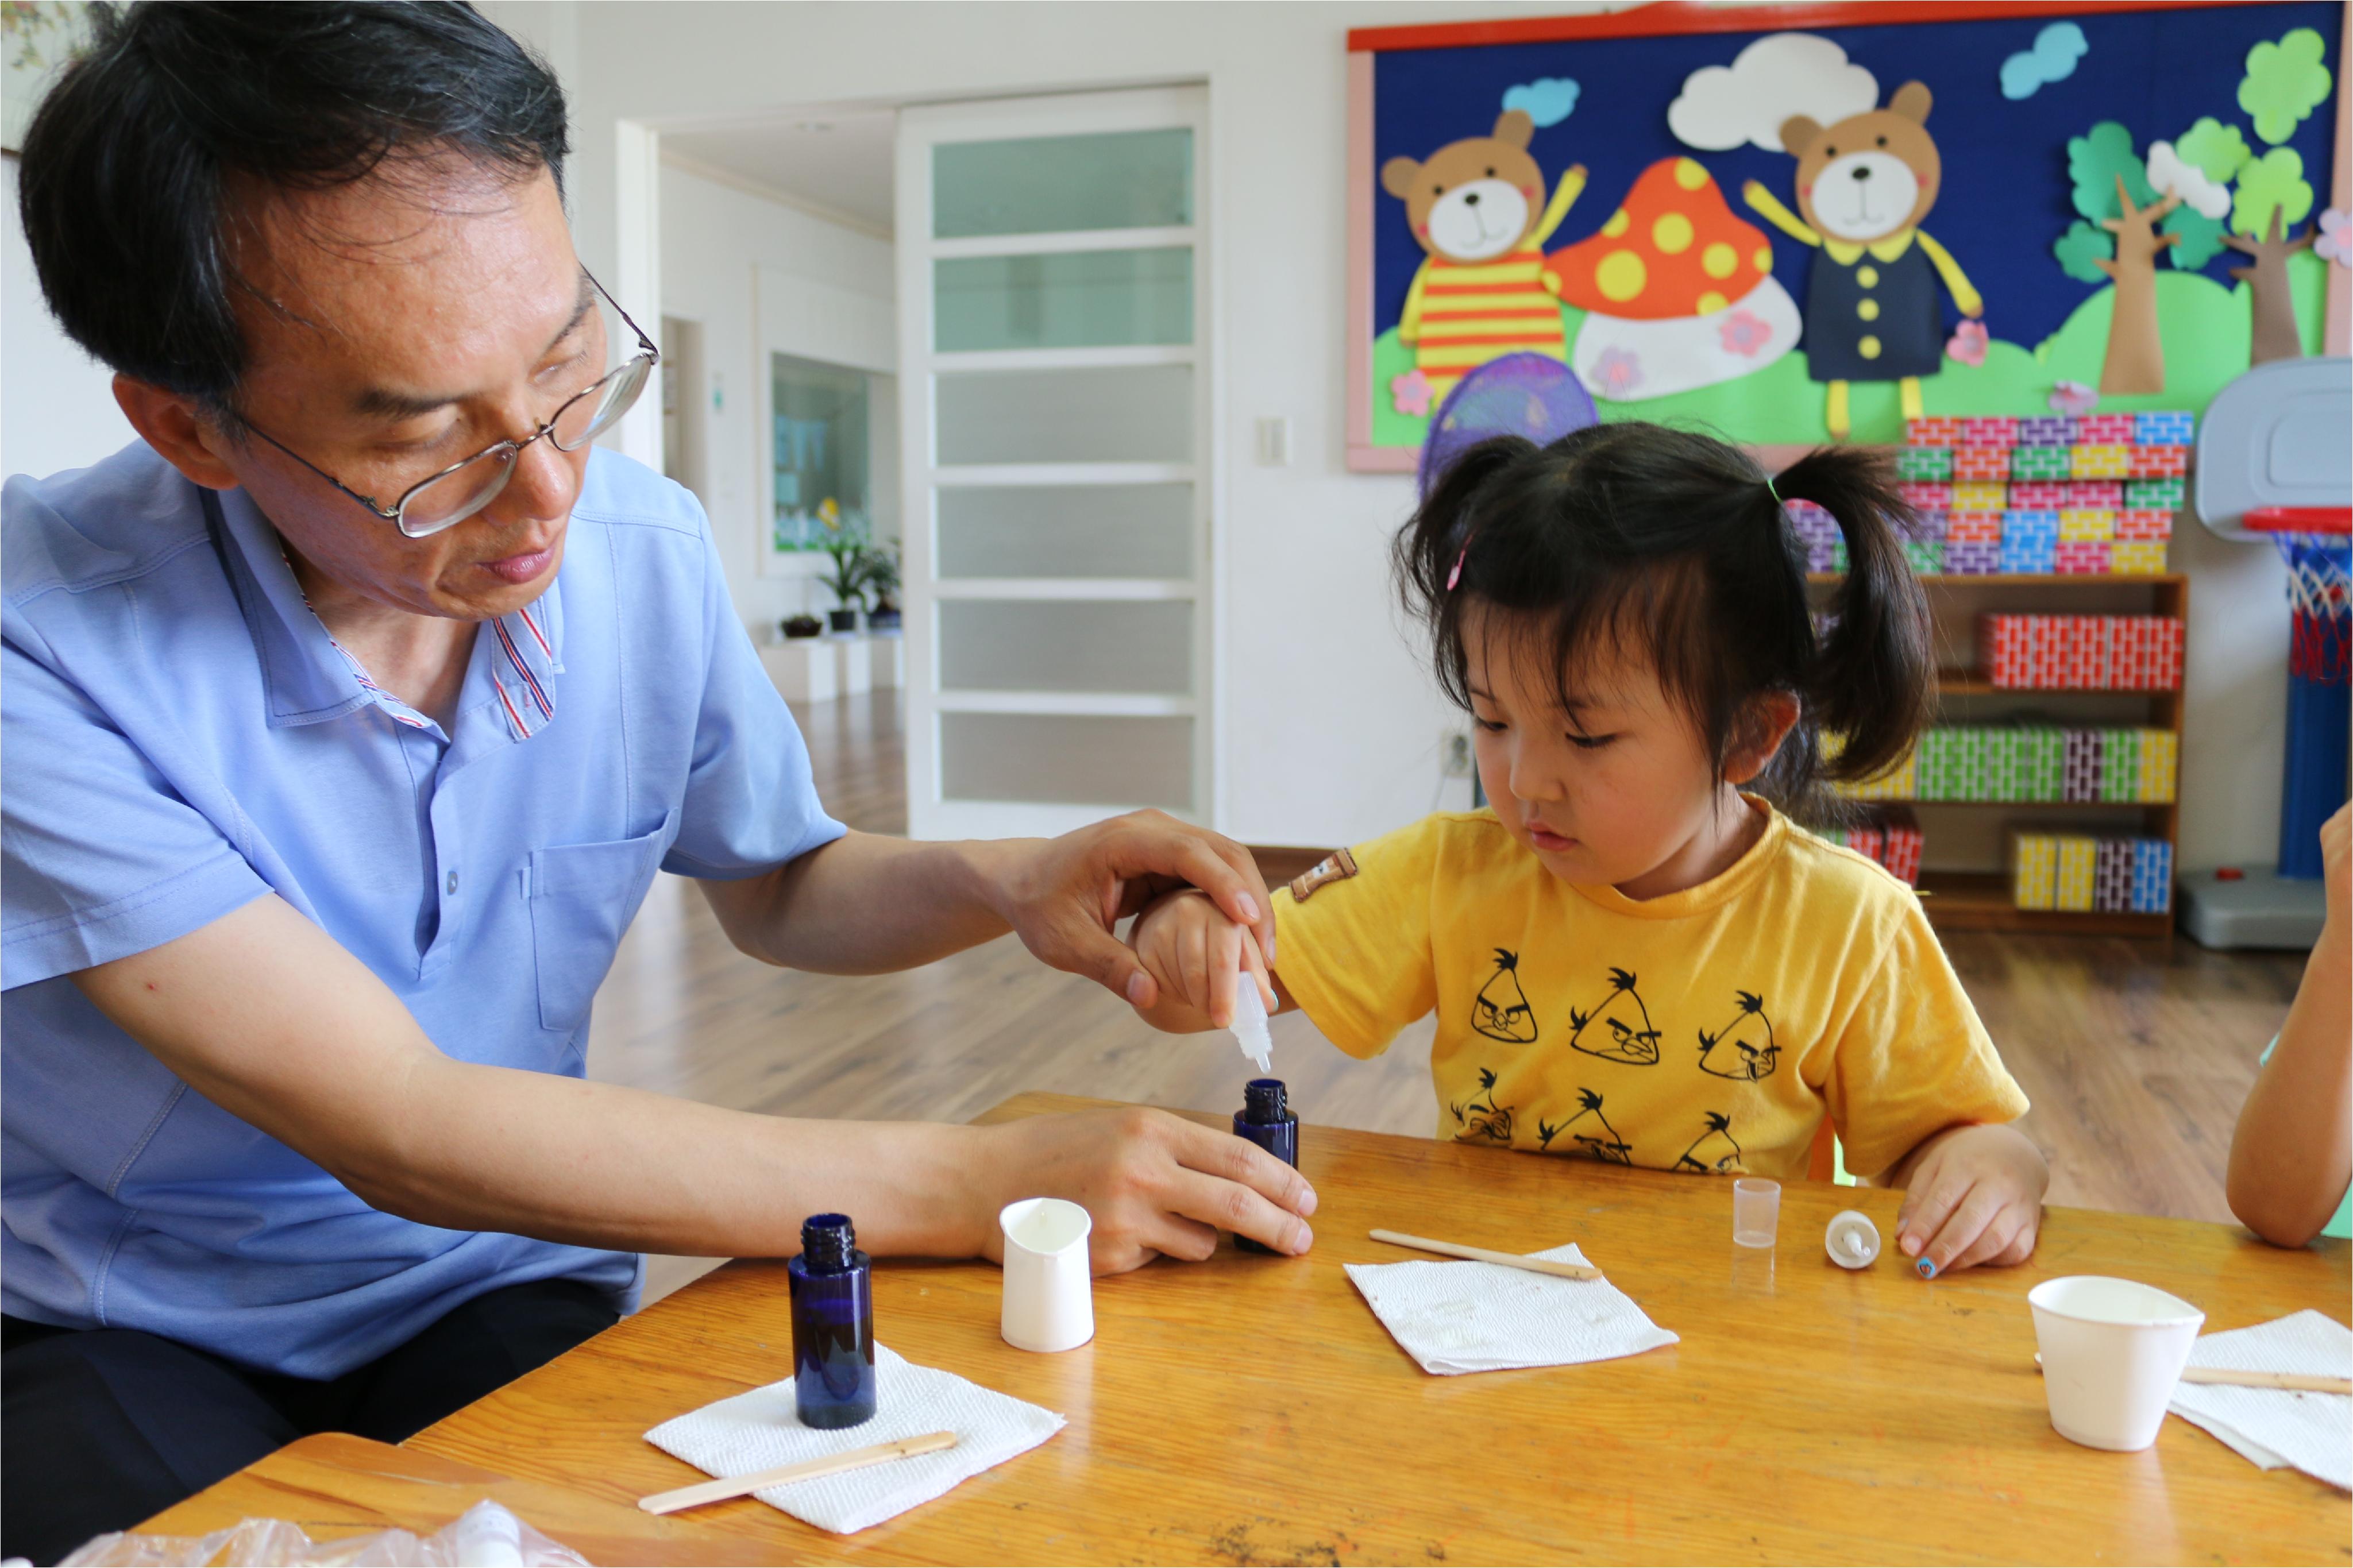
{"type": "Point", "coordinates": [2292, 1154]}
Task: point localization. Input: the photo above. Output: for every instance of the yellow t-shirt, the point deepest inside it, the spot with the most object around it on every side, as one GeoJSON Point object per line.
{"type": "Point", "coordinates": [1706, 1030]}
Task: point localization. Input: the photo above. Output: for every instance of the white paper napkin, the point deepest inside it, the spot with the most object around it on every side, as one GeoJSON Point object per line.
{"type": "Point", "coordinates": [1484, 1317]}
{"type": "Point", "coordinates": [2278, 1426]}
{"type": "Point", "coordinates": [760, 1430]}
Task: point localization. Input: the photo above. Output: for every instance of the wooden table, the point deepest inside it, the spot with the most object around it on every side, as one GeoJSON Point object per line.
{"type": "Point", "coordinates": [1252, 1410]}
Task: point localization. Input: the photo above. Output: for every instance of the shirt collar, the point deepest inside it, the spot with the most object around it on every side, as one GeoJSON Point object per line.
{"type": "Point", "coordinates": [1888, 249]}
{"type": "Point", "coordinates": [309, 676]}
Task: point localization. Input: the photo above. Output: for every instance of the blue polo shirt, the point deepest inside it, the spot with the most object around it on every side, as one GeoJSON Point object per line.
{"type": "Point", "coordinates": [183, 736]}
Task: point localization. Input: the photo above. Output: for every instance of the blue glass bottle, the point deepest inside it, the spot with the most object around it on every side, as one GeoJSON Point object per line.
{"type": "Point", "coordinates": [833, 1325]}
{"type": "Point", "coordinates": [1266, 1120]}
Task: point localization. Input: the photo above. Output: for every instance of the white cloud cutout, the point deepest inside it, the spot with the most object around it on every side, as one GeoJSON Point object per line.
{"type": "Point", "coordinates": [1780, 75]}
{"type": "Point", "coordinates": [2172, 175]}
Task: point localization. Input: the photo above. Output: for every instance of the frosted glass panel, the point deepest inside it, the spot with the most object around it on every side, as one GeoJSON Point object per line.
{"type": "Point", "coordinates": [1067, 530]}
{"type": "Point", "coordinates": [1062, 759]}
{"type": "Point", "coordinates": [1080, 299]}
{"type": "Point", "coordinates": [1134, 414]}
{"type": "Point", "coordinates": [1051, 184]}
{"type": "Point", "coordinates": [1051, 645]}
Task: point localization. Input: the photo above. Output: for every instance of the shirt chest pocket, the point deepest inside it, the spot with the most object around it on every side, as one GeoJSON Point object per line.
{"type": "Point", "coordinates": [582, 897]}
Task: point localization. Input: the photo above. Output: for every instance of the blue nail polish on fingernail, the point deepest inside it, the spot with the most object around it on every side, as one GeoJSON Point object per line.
{"type": "Point", "coordinates": [1927, 1267]}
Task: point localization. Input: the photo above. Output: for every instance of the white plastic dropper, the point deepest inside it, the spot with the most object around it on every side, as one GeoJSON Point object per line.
{"type": "Point", "coordinates": [1249, 1028]}
{"type": "Point", "coordinates": [1852, 1241]}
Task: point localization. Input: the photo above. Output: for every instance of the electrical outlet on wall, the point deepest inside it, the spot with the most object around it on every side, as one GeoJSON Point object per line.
{"type": "Point", "coordinates": [1454, 754]}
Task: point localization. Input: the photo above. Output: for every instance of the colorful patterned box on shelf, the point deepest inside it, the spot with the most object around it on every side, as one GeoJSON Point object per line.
{"type": "Point", "coordinates": [2035, 869]}
{"type": "Point", "coordinates": [1932, 432]}
{"type": "Point", "coordinates": [1890, 836]}
{"type": "Point", "coordinates": [2077, 857]}
{"type": "Point", "coordinates": [2081, 557]}
{"type": "Point", "coordinates": [1925, 495]}
{"type": "Point", "coordinates": [2119, 766]}
{"type": "Point", "coordinates": [1993, 430]}
{"type": "Point", "coordinates": [2046, 762]}
{"type": "Point", "coordinates": [2169, 428]}
{"type": "Point", "coordinates": [1901, 782]}
{"type": "Point", "coordinates": [1981, 463]}
{"type": "Point", "coordinates": [1978, 495]}
{"type": "Point", "coordinates": [1926, 555]}
{"type": "Point", "coordinates": [1923, 463]}
{"type": "Point", "coordinates": [1973, 528]}
{"type": "Point", "coordinates": [2029, 553]}
{"type": "Point", "coordinates": [1927, 522]}
{"type": "Point", "coordinates": [2107, 495]}
{"type": "Point", "coordinates": [2080, 777]}
{"type": "Point", "coordinates": [2042, 464]}
{"type": "Point", "coordinates": [2152, 887]}
{"type": "Point", "coordinates": [2103, 462]}
{"type": "Point", "coordinates": [2159, 462]}
{"type": "Point", "coordinates": [2145, 523]}
{"type": "Point", "coordinates": [2111, 875]}
{"type": "Point", "coordinates": [2078, 524]}
{"type": "Point", "coordinates": [2041, 495]}
{"type": "Point", "coordinates": [1972, 557]}
{"type": "Point", "coordinates": [2106, 429]}
{"type": "Point", "coordinates": [2137, 557]}
{"type": "Point", "coordinates": [2047, 430]}
{"type": "Point", "coordinates": [2163, 495]}
{"type": "Point", "coordinates": [2161, 762]}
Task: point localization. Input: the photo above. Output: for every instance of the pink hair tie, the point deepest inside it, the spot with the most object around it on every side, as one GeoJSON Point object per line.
{"type": "Point", "coordinates": [1455, 574]}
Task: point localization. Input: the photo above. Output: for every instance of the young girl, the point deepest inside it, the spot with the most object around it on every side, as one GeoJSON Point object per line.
{"type": "Point", "coordinates": [1631, 960]}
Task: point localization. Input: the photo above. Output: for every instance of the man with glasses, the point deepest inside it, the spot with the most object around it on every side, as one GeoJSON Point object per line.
{"type": "Point", "coordinates": [347, 719]}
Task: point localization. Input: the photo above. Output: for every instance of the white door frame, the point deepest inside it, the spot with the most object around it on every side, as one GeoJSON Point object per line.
{"type": "Point", "coordinates": [920, 130]}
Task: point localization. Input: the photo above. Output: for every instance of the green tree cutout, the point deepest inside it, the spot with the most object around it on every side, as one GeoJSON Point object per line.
{"type": "Point", "coordinates": [2118, 240]}
{"type": "Point", "coordinates": [2217, 192]}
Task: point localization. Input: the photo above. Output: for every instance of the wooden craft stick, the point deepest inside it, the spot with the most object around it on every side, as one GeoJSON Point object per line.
{"type": "Point", "coordinates": [1481, 1255]}
{"type": "Point", "coordinates": [2304, 1381]}
{"type": "Point", "coordinates": [721, 1490]}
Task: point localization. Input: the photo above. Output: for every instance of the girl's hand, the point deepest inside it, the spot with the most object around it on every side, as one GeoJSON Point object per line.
{"type": "Point", "coordinates": [1973, 1195]}
{"type": "Point", "coordinates": [1196, 957]}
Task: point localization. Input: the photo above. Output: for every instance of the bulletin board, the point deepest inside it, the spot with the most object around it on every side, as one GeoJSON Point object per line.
{"type": "Point", "coordinates": [1663, 247]}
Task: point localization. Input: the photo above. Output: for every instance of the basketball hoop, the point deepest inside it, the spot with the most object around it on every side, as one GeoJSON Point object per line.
{"type": "Point", "coordinates": [2316, 541]}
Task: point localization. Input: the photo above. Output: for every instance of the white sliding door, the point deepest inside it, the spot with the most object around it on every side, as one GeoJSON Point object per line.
{"type": "Point", "coordinates": [1055, 394]}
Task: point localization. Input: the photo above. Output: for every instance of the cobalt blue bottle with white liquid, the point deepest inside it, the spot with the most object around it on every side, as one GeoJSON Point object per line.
{"type": "Point", "coordinates": [833, 1325]}
{"type": "Point", "coordinates": [1266, 1120]}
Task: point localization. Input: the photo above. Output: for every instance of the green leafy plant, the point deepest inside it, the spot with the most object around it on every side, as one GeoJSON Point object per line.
{"type": "Point", "coordinates": [847, 581]}
{"type": "Point", "coordinates": [882, 574]}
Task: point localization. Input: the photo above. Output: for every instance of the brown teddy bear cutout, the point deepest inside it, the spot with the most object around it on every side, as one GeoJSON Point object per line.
{"type": "Point", "coordinates": [1477, 206]}
{"type": "Point", "coordinates": [1863, 185]}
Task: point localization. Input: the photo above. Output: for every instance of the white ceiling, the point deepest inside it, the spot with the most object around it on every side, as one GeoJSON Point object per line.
{"type": "Point", "coordinates": [839, 162]}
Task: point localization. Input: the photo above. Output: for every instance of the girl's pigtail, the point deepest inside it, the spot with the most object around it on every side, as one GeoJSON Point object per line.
{"type": "Point", "coordinates": [1433, 554]}
{"type": "Point", "coordinates": [1869, 679]}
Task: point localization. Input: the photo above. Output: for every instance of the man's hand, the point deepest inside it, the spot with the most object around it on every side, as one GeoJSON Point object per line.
{"type": "Point", "coordinates": [1973, 1195]}
{"type": "Point", "coordinates": [1154, 1183]}
{"type": "Point", "coordinates": [1064, 895]}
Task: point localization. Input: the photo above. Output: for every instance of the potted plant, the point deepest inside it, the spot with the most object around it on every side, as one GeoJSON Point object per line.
{"type": "Point", "coordinates": [882, 580]}
{"type": "Point", "coordinates": [846, 582]}
{"type": "Point", "coordinates": [802, 625]}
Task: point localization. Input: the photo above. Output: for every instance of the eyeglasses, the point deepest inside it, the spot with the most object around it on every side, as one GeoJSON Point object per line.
{"type": "Point", "coordinates": [459, 491]}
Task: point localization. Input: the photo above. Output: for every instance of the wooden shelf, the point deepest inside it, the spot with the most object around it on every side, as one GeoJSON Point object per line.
{"type": "Point", "coordinates": [2031, 806]}
{"type": "Point", "coordinates": [1969, 683]}
{"type": "Point", "coordinates": [1979, 900]}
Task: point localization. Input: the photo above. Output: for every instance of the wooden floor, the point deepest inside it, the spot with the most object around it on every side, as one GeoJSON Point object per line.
{"type": "Point", "coordinates": [2136, 1064]}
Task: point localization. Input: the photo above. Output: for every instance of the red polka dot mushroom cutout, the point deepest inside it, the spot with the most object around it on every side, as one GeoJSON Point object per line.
{"type": "Point", "coordinates": [1678, 292]}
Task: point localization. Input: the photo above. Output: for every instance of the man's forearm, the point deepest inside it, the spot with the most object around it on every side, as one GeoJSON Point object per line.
{"type": "Point", "coordinates": [476, 1148]}
{"type": "Point", "coordinates": [866, 904]}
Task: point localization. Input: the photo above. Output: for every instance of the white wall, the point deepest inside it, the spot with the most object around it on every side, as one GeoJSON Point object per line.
{"type": "Point", "coordinates": [56, 404]}
{"type": "Point", "coordinates": [1328, 724]}
{"type": "Point", "coordinates": [716, 240]}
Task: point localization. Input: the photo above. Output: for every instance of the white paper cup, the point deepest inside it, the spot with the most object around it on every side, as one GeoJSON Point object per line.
{"type": "Point", "coordinates": [1049, 1288]}
{"type": "Point", "coordinates": [2113, 1350]}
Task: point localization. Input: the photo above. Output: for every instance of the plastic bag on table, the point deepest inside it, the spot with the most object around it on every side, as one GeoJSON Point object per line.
{"type": "Point", "coordinates": [485, 1536]}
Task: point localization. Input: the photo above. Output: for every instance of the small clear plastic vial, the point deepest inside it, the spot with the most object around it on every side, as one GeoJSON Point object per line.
{"type": "Point", "coordinates": [1266, 1120]}
{"type": "Point", "coordinates": [833, 1325]}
